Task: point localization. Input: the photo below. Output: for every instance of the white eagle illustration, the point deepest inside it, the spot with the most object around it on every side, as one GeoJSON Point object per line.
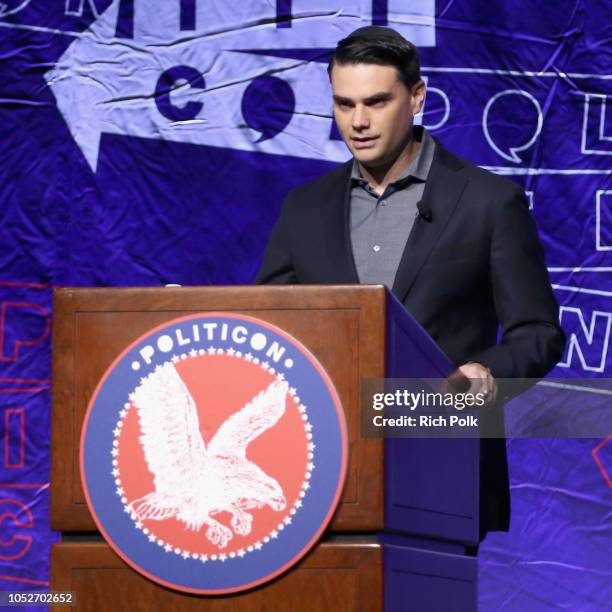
{"type": "Point", "coordinates": [193, 481]}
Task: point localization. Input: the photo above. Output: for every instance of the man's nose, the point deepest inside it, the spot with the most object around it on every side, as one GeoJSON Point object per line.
{"type": "Point", "coordinates": [361, 119]}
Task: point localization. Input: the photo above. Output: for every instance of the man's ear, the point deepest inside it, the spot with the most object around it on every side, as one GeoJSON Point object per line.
{"type": "Point", "coordinates": [417, 92]}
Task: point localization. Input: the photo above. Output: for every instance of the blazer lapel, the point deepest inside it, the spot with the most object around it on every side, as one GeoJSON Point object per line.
{"type": "Point", "coordinates": [443, 189]}
{"type": "Point", "coordinates": [335, 226]}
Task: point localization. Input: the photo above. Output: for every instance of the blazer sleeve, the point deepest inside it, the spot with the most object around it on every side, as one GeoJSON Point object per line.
{"type": "Point", "coordinates": [532, 340]}
{"type": "Point", "coordinates": [277, 265]}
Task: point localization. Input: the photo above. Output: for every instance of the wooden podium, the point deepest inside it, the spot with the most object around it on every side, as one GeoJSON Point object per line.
{"type": "Point", "coordinates": [409, 507]}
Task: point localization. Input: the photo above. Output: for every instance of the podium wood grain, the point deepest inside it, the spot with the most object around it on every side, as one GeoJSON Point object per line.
{"type": "Point", "coordinates": [334, 576]}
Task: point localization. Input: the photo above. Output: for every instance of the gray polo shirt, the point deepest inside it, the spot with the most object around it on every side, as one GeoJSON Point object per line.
{"type": "Point", "coordinates": [380, 225]}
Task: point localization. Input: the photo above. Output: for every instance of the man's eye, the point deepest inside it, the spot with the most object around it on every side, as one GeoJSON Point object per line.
{"type": "Point", "coordinates": [378, 103]}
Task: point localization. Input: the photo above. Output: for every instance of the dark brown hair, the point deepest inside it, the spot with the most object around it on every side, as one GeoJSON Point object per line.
{"type": "Point", "coordinates": [379, 45]}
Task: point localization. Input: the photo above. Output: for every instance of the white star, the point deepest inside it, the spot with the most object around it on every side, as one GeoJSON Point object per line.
{"type": "Point", "coordinates": [248, 357]}
{"type": "Point", "coordinates": [115, 472]}
{"type": "Point", "coordinates": [203, 558]}
{"type": "Point", "coordinates": [123, 413]}
{"type": "Point", "coordinates": [310, 466]}
{"type": "Point", "coordinates": [265, 365]}
{"type": "Point", "coordinates": [116, 431]}
{"type": "Point", "coordinates": [115, 452]}
{"type": "Point", "coordinates": [280, 376]}
{"type": "Point", "coordinates": [305, 486]}
{"type": "Point", "coordinates": [138, 525]}
{"type": "Point", "coordinates": [298, 504]}
{"type": "Point", "coordinates": [287, 520]}
{"type": "Point", "coordinates": [158, 368]}
{"type": "Point", "coordinates": [132, 396]}
{"type": "Point", "coordinates": [231, 352]}
{"type": "Point", "coordinates": [185, 554]}
{"type": "Point", "coordinates": [119, 491]}
{"type": "Point", "coordinates": [292, 391]}
{"type": "Point", "coordinates": [152, 538]}
{"type": "Point", "coordinates": [193, 353]}
{"type": "Point", "coordinates": [257, 545]}
{"type": "Point", "coordinates": [175, 358]}
{"type": "Point", "coordinates": [308, 427]}
{"type": "Point", "coordinates": [222, 557]}
{"type": "Point", "coordinates": [241, 552]}
{"type": "Point", "coordinates": [302, 408]}
{"type": "Point", "coordinates": [274, 534]}
{"type": "Point", "coordinates": [168, 547]}
{"type": "Point", "coordinates": [311, 446]}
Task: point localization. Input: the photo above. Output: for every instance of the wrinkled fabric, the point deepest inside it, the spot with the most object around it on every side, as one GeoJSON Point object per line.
{"type": "Point", "coordinates": [144, 143]}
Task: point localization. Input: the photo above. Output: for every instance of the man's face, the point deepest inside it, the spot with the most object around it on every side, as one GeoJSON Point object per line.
{"type": "Point", "coordinates": [374, 111]}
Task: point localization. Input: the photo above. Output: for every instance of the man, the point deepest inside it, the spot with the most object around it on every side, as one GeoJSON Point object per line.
{"type": "Point", "coordinates": [456, 244]}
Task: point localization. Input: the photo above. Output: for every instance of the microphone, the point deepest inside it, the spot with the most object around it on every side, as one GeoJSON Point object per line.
{"type": "Point", "coordinates": [424, 212]}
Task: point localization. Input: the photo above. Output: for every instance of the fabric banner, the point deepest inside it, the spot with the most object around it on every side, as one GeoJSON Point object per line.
{"type": "Point", "coordinates": [146, 142]}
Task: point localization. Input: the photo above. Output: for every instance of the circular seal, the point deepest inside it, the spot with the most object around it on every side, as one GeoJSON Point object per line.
{"type": "Point", "coordinates": [213, 453]}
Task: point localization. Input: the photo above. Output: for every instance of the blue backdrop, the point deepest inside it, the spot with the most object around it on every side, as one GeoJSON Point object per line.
{"type": "Point", "coordinates": [145, 142]}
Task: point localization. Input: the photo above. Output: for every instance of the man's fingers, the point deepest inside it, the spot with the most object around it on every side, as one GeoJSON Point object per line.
{"type": "Point", "coordinates": [481, 381]}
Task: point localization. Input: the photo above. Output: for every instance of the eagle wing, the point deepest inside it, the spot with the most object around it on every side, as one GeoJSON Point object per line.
{"type": "Point", "coordinates": [173, 446]}
{"type": "Point", "coordinates": [261, 413]}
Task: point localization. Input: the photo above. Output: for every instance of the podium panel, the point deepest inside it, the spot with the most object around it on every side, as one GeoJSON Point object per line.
{"type": "Point", "coordinates": [343, 326]}
{"type": "Point", "coordinates": [335, 576]}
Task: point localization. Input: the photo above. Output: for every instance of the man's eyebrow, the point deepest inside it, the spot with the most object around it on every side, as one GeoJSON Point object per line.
{"type": "Point", "coordinates": [342, 100]}
{"type": "Point", "coordinates": [382, 96]}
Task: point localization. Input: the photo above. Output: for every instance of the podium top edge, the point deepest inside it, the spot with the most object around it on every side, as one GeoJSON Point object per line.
{"type": "Point", "coordinates": [231, 297]}
{"type": "Point", "coordinates": [220, 289]}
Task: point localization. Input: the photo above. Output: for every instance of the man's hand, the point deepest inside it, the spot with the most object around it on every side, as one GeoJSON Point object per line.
{"type": "Point", "coordinates": [481, 380]}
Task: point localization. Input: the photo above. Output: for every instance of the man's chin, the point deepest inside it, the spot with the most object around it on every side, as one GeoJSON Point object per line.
{"type": "Point", "coordinates": [368, 157]}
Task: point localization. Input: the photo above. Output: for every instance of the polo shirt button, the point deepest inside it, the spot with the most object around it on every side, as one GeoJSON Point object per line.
{"type": "Point", "coordinates": [376, 248]}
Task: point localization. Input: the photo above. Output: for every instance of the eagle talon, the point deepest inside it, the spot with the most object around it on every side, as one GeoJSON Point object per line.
{"type": "Point", "coordinates": [241, 522]}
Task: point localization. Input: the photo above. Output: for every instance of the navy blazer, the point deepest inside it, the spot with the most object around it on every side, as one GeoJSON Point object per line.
{"type": "Point", "coordinates": [473, 263]}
